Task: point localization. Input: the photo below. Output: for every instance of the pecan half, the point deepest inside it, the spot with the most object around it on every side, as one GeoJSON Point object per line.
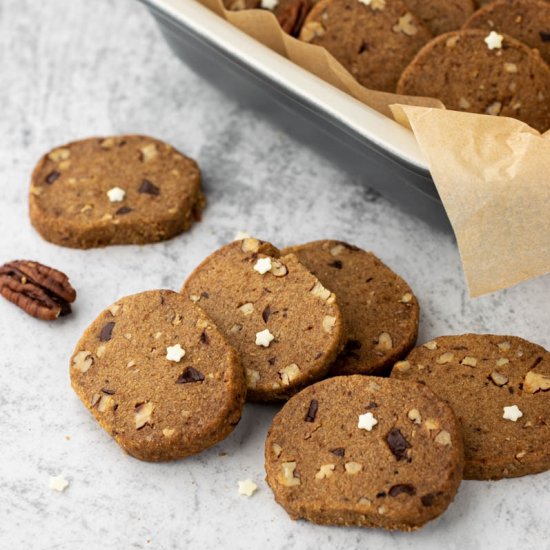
{"type": "Point", "coordinates": [291, 15]}
{"type": "Point", "coordinates": [41, 291]}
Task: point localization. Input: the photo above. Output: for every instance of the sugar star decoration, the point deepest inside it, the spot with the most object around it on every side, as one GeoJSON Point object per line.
{"type": "Point", "coordinates": [494, 40]}
{"type": "Point", "coordinates": [264, 338]}
{"type": "Point", "coordinates": [367, 421]}
{"type": "Point", "coordinates": [512, 413]}
{"type": "Point", "coordinates": [247, 487]}
{"type": "Point", "coordinates": [263, 265]}
{"type": "Point", "coordinates": [58, 483]}
{"type": "Point", "coordinates": [175, 353]}
{"type": "Point", "coordinates": [116, 194]}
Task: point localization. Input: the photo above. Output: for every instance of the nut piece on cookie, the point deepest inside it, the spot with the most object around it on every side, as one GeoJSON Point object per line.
{"type": "Point", "coordinates": [379, 309]}
{"type": "Point", "coordinates": [286, 327]}
{"type": "Point", "coordinates": [115, 190]}
{"type": "Point", "coordinates": [330, 470]}
{"type": "Point", "coordinates": [158, 399]}
{"type": "Point", "coordinates": [498, 387]}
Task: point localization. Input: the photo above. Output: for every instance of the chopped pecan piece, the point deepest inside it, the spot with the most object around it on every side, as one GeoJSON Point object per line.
{"type": "Point", "coordinates": [291, 15]}
{"type": "Point", "coordinates": [41, 291]}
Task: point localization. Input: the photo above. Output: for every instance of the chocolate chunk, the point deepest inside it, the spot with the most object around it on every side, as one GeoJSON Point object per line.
{"type": "Point", "coordinates": [372, 405]}
{"type": "Point", "coordinates": [364, 47]}
{"type": "Point", "coordinates": [266, 313]}
{"type": "Point", "coordinates": [381, 494]}
{"type": "Point", "coordinates": [148, 188]}
{"type": "Point", "coordinates": [205, 295]}
{"type": "Point", "coordinates": [272, 360]}
{"type": "Point", "coordinates": [337, 264]}
{"type": "Point", "coordinates": [402, 488]}
{"type": "Point", "coordinates": [123, 210]}
{"type": "Point", "coordinates": [204, 338]}
{"type": "Point", "coordinates": [545, 36]}
{"type": "Point", "coordinates": [312, 411]}
{"type": "Point", "coordinates": [107, 332]}
{"type": "Point", "coordinates": [429, 499]}
{"type": "Point", "coordinates": [52, 176]}
{"type": "Point", "coordinates": [339, 451]}
{"type": "Point", "coordinates": [108, 391]}
{"type": "Point", "coordinates": [350, 349]}
{"type": "Point", "coordinates": [398, 444]}
{"type": "Point", "coordinates": [190, 375]}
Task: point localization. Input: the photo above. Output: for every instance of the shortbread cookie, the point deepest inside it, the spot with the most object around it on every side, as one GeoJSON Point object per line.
{"type": "Point", "coordinates": [373, 39]}
{"type": "Point", "coordinates": [365, 451]}
{"type": "Point", "coordinates": [379, 309]}
{"type": "Point", "coordinates": [159, 376]}
{"type": "Point", "coordinates": [115, 190]}
{"type": "Point", "coordinates": [480, 72]}
{"type": "Point", "coordinates": [284, 324]}
{"type": "Point", "coordinates": [526, 20]}
{"type": "Point", "coordinates": [499, 388]}
{"type": "Point", "coordinates": [441, 15]}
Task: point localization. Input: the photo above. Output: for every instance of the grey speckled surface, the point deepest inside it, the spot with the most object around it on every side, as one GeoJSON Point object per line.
{"type": "Point", "coordinates": [72, 69]}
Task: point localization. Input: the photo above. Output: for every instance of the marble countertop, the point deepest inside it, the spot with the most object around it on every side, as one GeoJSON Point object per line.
{"type": "Point", "coordinates": [79, 68]}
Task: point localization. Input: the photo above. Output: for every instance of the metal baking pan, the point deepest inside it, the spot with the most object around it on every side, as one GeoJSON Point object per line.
{"type": "Point", "coordinates": [356, 137]}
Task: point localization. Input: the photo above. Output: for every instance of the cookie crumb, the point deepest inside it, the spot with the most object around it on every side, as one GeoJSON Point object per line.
{"type": "Point", "coordinates": [247, 487]}
{"type": "Point", "coordinates": [116, 194]}
{"type": "Point", "coordinates": [512, 413]}
{"type": "Point", "coordinates": [494, 40]}
{"type": "Point", "coordinates": [264, 338]}
{"type": "Point", "coordinates": [367, 421]}
{"type": "Point", "coordinates": [58, 483]}
{"type": "Point", "coordinates": [175, 353]}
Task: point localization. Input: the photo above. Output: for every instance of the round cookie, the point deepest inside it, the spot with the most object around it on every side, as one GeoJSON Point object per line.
{"type": "Point", "coordinates": [526, 20]}
{"type": "Point", "coordinates": [373, 39]}
{"type": "Point", "coordinates": [462, 70]}
{"type": "Point", "coordinates": [380, 311]}
{"type": "Point", "coordinates": [365, 451]}
{"type": "Point", "coordinates": [285, 326]}
{"type": "Point", "coordinates": [441, 16]}
{"type": "Point", "coordinates": [115, 190]}
{"type": "Point", "coordinates": [498, 387]}
{"type": "Point", "coordinates": [159, 376]}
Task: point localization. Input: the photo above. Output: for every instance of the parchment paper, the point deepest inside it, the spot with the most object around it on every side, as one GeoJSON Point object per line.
{"type": "Point", "coordinates": [492, 173]}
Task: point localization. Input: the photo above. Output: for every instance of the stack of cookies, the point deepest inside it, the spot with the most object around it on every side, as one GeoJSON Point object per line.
{"type": "Point", "coordinates": [473, 56]}
{"type": "Point", "coordinates": [320, 326]}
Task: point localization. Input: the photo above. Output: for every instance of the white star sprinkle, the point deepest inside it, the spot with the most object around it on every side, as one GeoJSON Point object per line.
{"type": "Point", "coordinates": [247, 487]}
{"type": "Point", "coordinates": [264, 338]}
{"type": "Point", "coordinates": [263, 265]}
{"type": "Point", "coordinates": [512, 413]}
{"type": "Point", "coordinates": [58, 483]}
{"type": "Point", "coordinates": [175, 353]}
{"type": "Point", "coordinates": [367, 421]}
{"type": "Point", "coordinates": [494, 40]}
{"type": "Point", "coordinates": [116, 194]}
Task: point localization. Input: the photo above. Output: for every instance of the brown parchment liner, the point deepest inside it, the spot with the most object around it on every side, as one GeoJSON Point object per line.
{"type": "Point", "coordinates": [492, 173]}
